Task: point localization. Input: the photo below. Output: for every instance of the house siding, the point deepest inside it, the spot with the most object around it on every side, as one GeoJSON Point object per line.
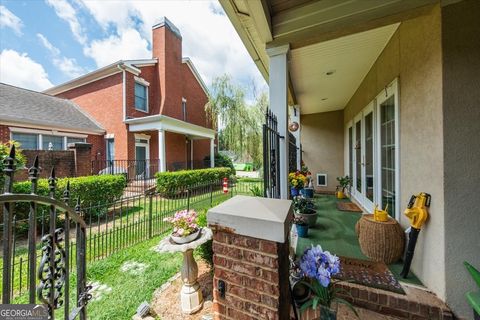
{"type": "Point", "coordinates": [103, 101]}
{"type": "Point", "coordinates": [322, 146]}
{"type": "Point", "coordinates": [461, 121]}
{"type": "Point", "coordinates": [414, 56]}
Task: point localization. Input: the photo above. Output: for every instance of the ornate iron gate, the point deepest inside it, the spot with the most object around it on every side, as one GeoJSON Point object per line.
{"type": "Point", "coordinates": [292, 153]}
{"type": "Point", "coordinates": [50, 283]}
{"type": "Point", "coordinates": [271, 144]}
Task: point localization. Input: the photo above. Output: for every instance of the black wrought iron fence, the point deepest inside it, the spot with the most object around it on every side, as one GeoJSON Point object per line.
{"type": "Point", "coordinates": [292, 153]}
{"type": "Point", "coordinates": [48, 270]}
{"type": "Point", "coordinates": [271, 144]}
{"type": "Point", "coordinates": [111, 227]}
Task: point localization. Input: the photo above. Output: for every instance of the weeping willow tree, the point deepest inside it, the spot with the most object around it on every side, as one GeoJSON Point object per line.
{"type": "Point", "coordinates": [239, 124]}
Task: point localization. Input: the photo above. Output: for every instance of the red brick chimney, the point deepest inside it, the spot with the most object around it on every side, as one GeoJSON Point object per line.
{"type": "Point", "coordinates": [167, 48]}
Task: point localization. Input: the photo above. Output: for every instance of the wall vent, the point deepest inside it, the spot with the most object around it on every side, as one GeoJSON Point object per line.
{"type": "Point", "coordinates": [321, 179]}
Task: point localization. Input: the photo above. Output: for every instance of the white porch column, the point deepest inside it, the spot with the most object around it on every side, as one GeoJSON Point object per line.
{"type": "Point", "coordinates": [295, 117]}
{"type": "Point", "coordinates": [162, 165]}
{"type": "Point", "coordinates": [278, 84]}
{"type": "Point", "coordinates": [212, 153]}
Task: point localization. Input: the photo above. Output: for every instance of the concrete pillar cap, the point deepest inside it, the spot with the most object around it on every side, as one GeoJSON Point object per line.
{"type": "Point", "coordinates": [261, 218]}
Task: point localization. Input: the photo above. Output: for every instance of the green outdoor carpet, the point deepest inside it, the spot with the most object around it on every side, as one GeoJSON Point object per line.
{"type": "Point", "coordinates": [335, 232]}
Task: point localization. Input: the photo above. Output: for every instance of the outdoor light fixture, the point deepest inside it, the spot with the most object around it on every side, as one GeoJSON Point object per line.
{"type": "Point", "coordinates": [293, 126]}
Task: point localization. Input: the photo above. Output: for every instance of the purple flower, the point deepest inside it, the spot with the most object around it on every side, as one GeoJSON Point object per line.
{"type": "Point", "coordinates": [320, 265]}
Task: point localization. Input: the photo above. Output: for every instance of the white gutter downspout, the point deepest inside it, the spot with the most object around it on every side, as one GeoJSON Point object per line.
{"type": "Point", "coordinates": [124, 94]}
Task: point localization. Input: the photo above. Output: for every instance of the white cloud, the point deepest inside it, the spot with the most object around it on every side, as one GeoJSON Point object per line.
{"type": "Point", "coordinates": [209, 39]}
{"type": "Point", "coordinates": [20, 70]}
{"type": "Point", "coordinates": [47, 44]}
{"type": "Point", "coordinates": [65, 11]}
{"type": "Point", "coordinates": [66, 65]}
{"type": "Point", "coordinates": [9, 20]}
{"type": "Point", "coordinates": [129, 45]}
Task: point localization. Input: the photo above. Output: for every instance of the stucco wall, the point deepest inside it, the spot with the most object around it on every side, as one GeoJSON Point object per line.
{"type": "Point", "coordinates": [322, 143]}
{"type": "Point", "coordinates": [461, 115]}
{"type": "Point", "coordinates": [414, 56]}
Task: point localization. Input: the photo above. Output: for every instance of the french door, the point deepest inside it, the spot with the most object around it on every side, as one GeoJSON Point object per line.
{"type": "Point", "coordinates": [373, 143]}
{"type": "Point", "coordinates": [363, 158]}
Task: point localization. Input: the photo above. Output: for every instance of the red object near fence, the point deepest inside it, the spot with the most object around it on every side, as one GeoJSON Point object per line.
{"type": "Point", "coordinates": [225, 185]}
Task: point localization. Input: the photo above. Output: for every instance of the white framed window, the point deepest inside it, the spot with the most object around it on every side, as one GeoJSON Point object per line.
{"type": "Point", "coordinates": [141, 94]}
{"type": "Point", "coordinates": [74, 139]}
{"type": "Point", "coordinates": [28, 141]}
{"type": "Point", "coordinates": [33, 139]}
{"type": "Point", "coordinates": [55, 142]}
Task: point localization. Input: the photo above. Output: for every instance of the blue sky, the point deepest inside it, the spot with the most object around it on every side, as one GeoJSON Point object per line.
{"type": "Point", "coordinates": [45, 43]}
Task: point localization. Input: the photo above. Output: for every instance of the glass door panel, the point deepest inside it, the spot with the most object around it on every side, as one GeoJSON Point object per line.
{"type": "Point", "coordinates": [369, 156]}
{"type": "Point", "coordinates": [358, 156]}
{"type": "Point", "coordinates": [387, 146]}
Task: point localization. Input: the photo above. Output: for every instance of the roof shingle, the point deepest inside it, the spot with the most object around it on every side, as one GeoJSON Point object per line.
{"type": "Point", "coordinates": [27, 107]}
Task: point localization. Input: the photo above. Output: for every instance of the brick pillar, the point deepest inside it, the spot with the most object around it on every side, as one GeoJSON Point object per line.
{"type": "Point", "coordinates": [83, 158]}
{"type": "Point", "coordinates": [250, 245]}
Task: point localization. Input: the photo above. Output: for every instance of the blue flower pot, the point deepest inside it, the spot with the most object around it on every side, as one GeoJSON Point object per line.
{"type": "Point", "coordinates": [307, 192]}
{"type": "Point", "coordinates": [294, 191]}
{"type": "Point", "coordinates": [302, 230]}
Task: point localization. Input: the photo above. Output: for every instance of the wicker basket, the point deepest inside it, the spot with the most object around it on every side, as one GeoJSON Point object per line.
{"type": "Point", "coordinates": [380, 241]}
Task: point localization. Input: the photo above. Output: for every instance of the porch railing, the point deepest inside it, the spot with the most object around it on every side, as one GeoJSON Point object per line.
{"type": "Point", "coordinates": [48, 282]}
{"type": "Point", "coordinates": [292, 153]}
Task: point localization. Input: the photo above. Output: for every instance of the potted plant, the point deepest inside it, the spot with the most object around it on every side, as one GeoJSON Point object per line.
{"type": "Point", "coordinates": [302, 226]}
{"type": "Point", "coordinates": [185, 226]}
{"type": "Point", "coordinates": [305, 208]}
{"type": "Point", "coordinates": [344, 185]}
{"type": "Point", "coordinates": [319, 267]}
{"type": "Point", "coordinates": [307, 191]}
{"type": "Point", "coordinates": [297, 181]}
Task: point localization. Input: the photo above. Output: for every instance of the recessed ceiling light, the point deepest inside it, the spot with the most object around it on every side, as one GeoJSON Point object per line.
{"type": "Point", "coordinates": [330, 72]}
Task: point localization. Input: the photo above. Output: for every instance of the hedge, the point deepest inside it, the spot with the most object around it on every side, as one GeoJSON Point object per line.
{"type": "Point", "coordinates": [171, 182]}
{"type": "Point", "coordinates": [91, 189]}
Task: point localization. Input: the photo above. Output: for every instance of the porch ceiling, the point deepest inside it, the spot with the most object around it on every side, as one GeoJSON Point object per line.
{"type": "Point", "coordinates": [348, 59]}
{"type": "Point", "coordinates": [344, 35]}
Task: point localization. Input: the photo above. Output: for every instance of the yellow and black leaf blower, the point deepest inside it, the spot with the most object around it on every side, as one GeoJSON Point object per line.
{"type": "Point", "coordinates": [417, 213]}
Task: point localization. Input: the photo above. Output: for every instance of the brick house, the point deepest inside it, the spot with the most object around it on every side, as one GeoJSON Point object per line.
{"type": "Point", "coordinates": [55, 129]}
{"type": "Point", "coordinates": [152, 109]}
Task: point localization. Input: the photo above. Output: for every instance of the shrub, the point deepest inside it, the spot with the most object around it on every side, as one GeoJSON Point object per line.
{"type": "Point", "coordinates": [4, 152]}
{"type": "Point", "coordinates": [92, 190]}
{"type": "Point", "coordinates": [205, 250]}
{"type": "Point", "coordinates": [169, 183]}
{"type": "Point", "coordinates": [221, 161]}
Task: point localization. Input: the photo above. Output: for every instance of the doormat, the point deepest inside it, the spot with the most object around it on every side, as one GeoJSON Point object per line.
{"type": "Point", "coordinates": [348, 206]}
{"type": "Point", "coordinates": [368, 273]}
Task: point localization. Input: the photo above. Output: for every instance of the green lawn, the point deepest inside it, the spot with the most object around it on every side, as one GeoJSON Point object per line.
{"type": "Point", "coordinates": [128, 290]}
{"type": "Point", "coordinates": [335, 232]}
{"type": "Point", "coordinates": [128, 239]}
